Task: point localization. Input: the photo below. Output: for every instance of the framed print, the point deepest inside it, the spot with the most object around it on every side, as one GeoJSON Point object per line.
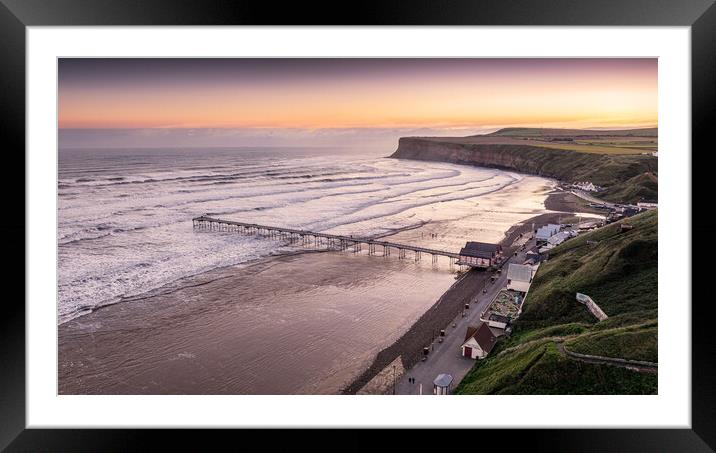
{"type": "Point", "coordinates": [394, 219]}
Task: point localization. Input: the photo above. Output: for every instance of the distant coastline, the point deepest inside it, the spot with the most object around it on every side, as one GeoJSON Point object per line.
{"type": "Point", "coordinates": [621, 161]}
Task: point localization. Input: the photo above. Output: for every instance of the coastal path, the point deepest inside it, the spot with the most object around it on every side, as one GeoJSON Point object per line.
{"type": "Point", "coordinates": [590, 198]}
{"type": "Point", "coordinates": [634, 365]}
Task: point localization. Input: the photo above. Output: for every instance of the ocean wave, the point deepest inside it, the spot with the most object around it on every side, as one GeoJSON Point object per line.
{"type": "Point", "coordinates": [127, 231]}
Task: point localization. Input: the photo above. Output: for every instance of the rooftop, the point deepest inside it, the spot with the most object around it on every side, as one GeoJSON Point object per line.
{"type": "Point", "coordinates": [476, 253]}
{"type": "Point", "coordinates": [480, 249]}
{"type": "Point", "coordinates": [547, 230]}
{"type": "Point", "coordinates": [519, 272]}
{"type": "Point", "coordinates": [443, 380]}
{"type": "Point", "coordinates": [483, 335]}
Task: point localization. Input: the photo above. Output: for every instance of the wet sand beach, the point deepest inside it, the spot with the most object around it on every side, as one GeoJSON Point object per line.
{"type": "Point", "coordinates": [295, 324]}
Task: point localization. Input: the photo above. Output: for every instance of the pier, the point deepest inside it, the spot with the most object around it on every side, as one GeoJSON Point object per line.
{"type": "Point", "coordinates": [329, 241]}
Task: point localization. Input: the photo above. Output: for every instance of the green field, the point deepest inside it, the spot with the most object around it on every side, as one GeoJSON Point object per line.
{"type": "Point", "coordinates": [619, 271]}
{"type": "Point", "coordinates": [643, 186]}
{"type": "Point", "coordinates": [586, 141]}
{"type": "Point", "coordinates": [622, 134]}
{"type": "Point", "coordinates": [593, 148]}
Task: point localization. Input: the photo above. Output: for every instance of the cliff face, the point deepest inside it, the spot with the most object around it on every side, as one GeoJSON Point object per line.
{"type": "Point", "coordinates": [601, 169]}
{"type": "Point", "coordinates": [509, 157]}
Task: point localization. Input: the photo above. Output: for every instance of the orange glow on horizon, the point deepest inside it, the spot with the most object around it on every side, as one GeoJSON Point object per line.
{"type": "Point", "coordinates": [555, 99]}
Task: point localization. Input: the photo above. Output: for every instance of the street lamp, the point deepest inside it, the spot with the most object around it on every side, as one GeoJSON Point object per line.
{"type": "Point", "coordinates": [393, 379]}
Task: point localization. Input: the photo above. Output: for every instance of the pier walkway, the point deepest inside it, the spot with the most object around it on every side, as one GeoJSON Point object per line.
{"type": "Point", "coordinates": [335, 241]}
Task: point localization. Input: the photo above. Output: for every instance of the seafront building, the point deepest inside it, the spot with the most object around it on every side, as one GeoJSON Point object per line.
{"type": "Point", "coordinates": [519, 277]}
{"type": "Point", "coordinates": [480, 254]}
{"type": "Point", "coordinates": [479, 341]}
{"type": "Point", "coordinates": [544, 233]}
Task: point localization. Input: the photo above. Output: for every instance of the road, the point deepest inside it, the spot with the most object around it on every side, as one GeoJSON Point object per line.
{"type": "Point", "coordinates": [446, 357]}
{"type": "Point", "coordinates": [592, 199]}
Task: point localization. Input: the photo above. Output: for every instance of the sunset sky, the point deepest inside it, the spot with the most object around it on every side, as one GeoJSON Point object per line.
{"type": "Point", "coordinates": [356, 93]}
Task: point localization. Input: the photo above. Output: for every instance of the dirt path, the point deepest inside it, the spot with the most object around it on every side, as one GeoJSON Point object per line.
{"type": "Point", "coordinates": [633, 365]}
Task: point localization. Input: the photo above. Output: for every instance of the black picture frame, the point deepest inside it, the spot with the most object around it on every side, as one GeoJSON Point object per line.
{"type": "Point", "coordinates": [16, 15]}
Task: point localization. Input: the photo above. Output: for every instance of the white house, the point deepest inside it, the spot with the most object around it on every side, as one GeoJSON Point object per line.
{"type": "Point", "coordinates": [543, 234]}
{"type": "Point", "coordinates": [559, 238]}
{"type": "Point", "coordinates": [586, 186]}
{"type": "Point", "coordinates": [479, 341]}
{"type": "Point", "coordinates": [519, 277]}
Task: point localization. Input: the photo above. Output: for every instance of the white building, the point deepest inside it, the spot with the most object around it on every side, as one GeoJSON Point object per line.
{"type": "Point", "coordinates": [586, 186]}
{"type": "Point", "coordinates": [559, 238]}
{"type": "Point", "coordinates": [645, 205]}
{"type": "Point", "coordinates": [543, 234]}
{"type": "Point", "coordinates": [479, 341]}
{"type": "Point", "coordinates": [519, 277]}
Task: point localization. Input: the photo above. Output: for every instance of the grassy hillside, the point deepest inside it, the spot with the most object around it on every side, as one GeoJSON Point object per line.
{"type": "Point", "coordinates": [619, 271]}
{"type": "Point", "coordinates": [632, 342]}
{"type": "Point", "coordinates": [644, 186]}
